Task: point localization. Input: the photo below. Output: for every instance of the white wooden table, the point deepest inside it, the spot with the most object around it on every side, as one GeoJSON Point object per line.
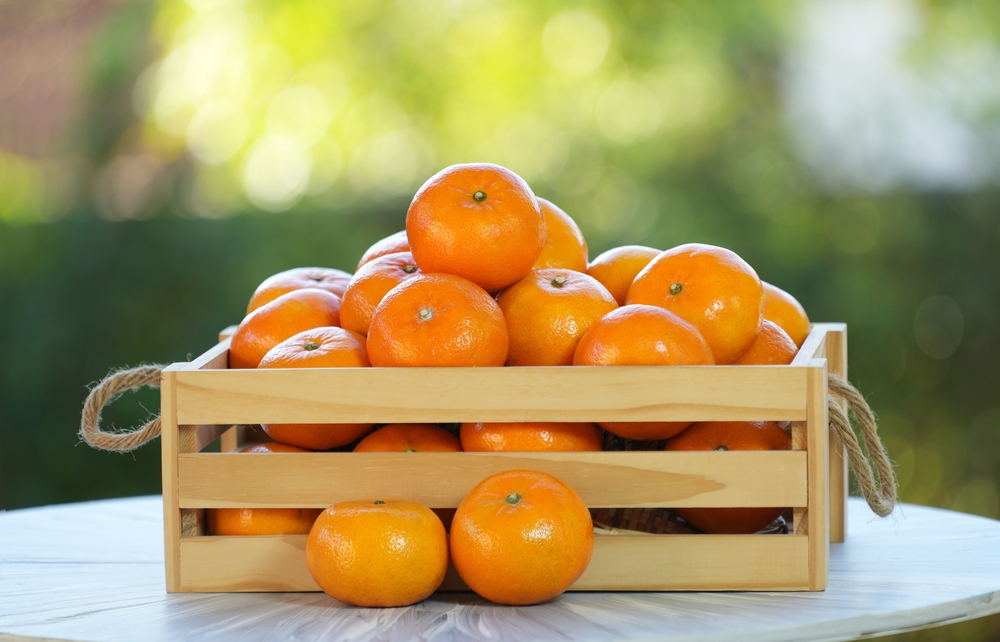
{"type": "Point", "coordinates": [94, 571]}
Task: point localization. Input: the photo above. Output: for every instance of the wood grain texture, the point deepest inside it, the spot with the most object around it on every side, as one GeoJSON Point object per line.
{"type": "Point", "coordinates": [818, 506]}
{"type": "Point", "coordinates": [633, 563]}
{"type": "Point", "coordinates": [383, 395]}
{"type": "Point", "coordinates": [441, 480]}
{"type": "Point", "coordinates": [836, 355]}
{"type": "Point", "coordinates": [169, 449]}
{"type": "Point", "coordinates": [95, 571]}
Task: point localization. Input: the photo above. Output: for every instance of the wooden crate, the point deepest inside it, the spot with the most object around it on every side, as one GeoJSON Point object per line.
{"type": "Point", "coordinates": [203, 400]}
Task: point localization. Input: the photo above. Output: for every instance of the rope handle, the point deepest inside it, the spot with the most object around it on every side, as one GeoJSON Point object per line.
{"type": "Point", "coordinates": [880, 494]}
{"type": "Point", "coordinates": [106, 391]}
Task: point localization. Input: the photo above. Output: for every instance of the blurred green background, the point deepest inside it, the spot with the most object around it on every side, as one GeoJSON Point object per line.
{"type": "Point", "coordinates": [158, 160]}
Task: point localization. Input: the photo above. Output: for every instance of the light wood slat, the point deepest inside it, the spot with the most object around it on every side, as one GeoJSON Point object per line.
{"type": "Point", "coordinates": [814, 347]}
{"type": "Point", "coordinates": [171, 510]}
{"type": "Point", "coordinates": [637, 563]}
{"type": "Point", "coordinates": [441, 480]}
{"type": "Point", "coordinates": [818, 514]}
{"type": "Point", "coordinates": [632, 393]}
{"type": "Point", "coordinates": [836, 355]}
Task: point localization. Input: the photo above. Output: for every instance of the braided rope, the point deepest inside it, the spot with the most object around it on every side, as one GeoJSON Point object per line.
{"type": "Point", "coordinates": [110, 388]}
{"type": "Point", "coordinates": [881, 493]}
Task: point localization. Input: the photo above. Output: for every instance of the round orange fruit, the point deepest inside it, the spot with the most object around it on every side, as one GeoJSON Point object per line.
{"type": "Point", "coordinates": [409, 438]}
{"type": "Point", "coordinates": [521, 537]}
{"type": "Point", "coordinates": [263, 521]}
{"type": "Point", "coordinates": [783, 309]}
{"type": "Point", "coordinates": [711, 288]}
{"type": "Point", "coordinates": [531, 436]}
{"type": "Point", "coordinates": [329, 279]}
{"type": "Point", "coordinates": [772, 347]}
{"type": "Point", "coordinates": [548, 311]}
{"type": "Point", "coordinates": [478, 221]}
{"type": "Point", "coordinates": [643, 335]}
{"type": "Point", "coordinates": [286, 316]}
{"type": "Point", "coordinates": [617, 268]}
{"type": "Point", "coordinates": [370, 285]}
{"type": "Point", "coordinates": [389, 245]}
{"type": "Point", "coordinates": [565, 246]}
{"type": "Point", "coordinates": [437, 320]}
{"type": "Point", "coordinates": [329, 347]}
{"type": "Point", "coordinates": [730, 435]}
{"type": "Point", "coordinates": [378, 553]}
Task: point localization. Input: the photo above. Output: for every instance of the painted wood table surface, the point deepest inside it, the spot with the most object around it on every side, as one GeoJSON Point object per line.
{"type": "Point", "coordinates": [94, 571]}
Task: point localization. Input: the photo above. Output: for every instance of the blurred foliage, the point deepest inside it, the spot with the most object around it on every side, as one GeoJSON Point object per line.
{"type": "Point", "coordinates": [223, 142]}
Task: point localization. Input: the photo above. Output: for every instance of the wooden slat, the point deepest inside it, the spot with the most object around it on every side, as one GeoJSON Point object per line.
{"type": "Point", "coordinates": [818, 514]}
{"type": "Point", "coordinates": [171, 509]}
{"type": "Point", "coordinates": [836, 355]}
{"type": "Point", "coordinates": [638, 563]}
{"type": "Point", "coordinates": [441, 480]}
{"type": "Point", "coordinates": [627, 393]}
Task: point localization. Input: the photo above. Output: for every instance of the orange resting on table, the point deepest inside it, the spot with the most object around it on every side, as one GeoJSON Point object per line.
{"type": "Point", "coordinates": [329, 279]}
{"type": "Point", "coordinates": [370, 285]}
{"type": "Point", "coordinates": [378, 553]}
{"type": "Point", "coordinates": [286, 316]}
{"type": "Point", "coordinates": [772, 347]}
{"type": "Point", "coordinates": [565, 246]}
{"type": "Point", "coordinates": [478, 221]}
{"type": "Point", "coordinates": [730, 435]}
{"type": "Point", "coordinates": [783, 309]}
{"type": "Point", "coordinates": [329, 347]}
{"type": "Point", "coordinates": [389, 245]}
{"type": "Point", "coordinates": [521, 537]}
{"type": "Point", "coordinates": [711, 288]}
{"type": "Point", "coordinates": [531, 436]}
{"type": "Point", "coordinates": [618, 267]}
{"type": "Point", "coordinates": [437, 320]}
{"type": "Point", "coordinates": [643, 335]}
{"type": "Point", "coordinates": [548, 311]}
{"type": "Point", "coordinates": [263, 521]}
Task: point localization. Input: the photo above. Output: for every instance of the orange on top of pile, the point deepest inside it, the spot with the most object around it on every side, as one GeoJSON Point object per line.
{"type": "Point", "coordinates": [488, 274]}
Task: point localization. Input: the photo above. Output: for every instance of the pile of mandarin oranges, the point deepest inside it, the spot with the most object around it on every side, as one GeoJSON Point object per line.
{"type": "Point", "coordinates": [488, 274]}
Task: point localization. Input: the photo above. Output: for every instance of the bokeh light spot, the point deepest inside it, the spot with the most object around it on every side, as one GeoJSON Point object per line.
{"type": "Point", "coordinates": [938, 326]}
{"type": "Point", "coordinates": [277, 172]}
{"type": "Point", "coordinates": [575, 42]}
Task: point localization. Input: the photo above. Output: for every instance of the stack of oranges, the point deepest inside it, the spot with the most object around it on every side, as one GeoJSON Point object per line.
{"type": "Point", "coordinates": [488, 274]}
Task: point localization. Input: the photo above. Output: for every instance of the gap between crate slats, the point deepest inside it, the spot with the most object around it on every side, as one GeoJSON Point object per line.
{"type": "Point", "coordinates": [634, 563]}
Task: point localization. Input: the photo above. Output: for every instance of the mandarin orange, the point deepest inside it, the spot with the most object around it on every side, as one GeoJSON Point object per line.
{"type": "Point", "coordinates": [437, 320]}
{"type": "Point", "coordinates": [521, 537]}
{"type": "Point", "coordinates": [531, 436]}
{"type": "Point", "coordinates": [565, 246]}
{"type": "Point", "coordinates": [782, 308]}
{"type": "Point", "coordinates": [378, 553]}
{"type": "Point", "coordinates": [329, 279]}
{"type": "Point", "coordinates": [730, 435]}
{"type": "Point", "coordinates": [263, 521]}
{"type": "Point", "coordinates": [772, 347]}
{"type": "Point", "coordinates": [409, 438]}
{"type": "Point", "coordinates": [617, 268]}
{"type": "Point", "coordinates": [329, 347]}
{"type": "Point", "coordinates": [548, 311]}
{"type": "Point", "coordinates": [389, 245]}
{"type": "Point", "coordinates": [370, 285]}
{"type": "Point", "coordinates": [643, 335]}
{"type": "Point", "coordinates": [478, 221]}
{"type": "Point", "coordinates": [272, 323]}
{"type": "Point", "coordinates": [711, 288]}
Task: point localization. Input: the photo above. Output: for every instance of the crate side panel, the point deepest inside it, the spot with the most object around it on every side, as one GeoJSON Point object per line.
{"type": "Point", "coordinates": [620, 563]}
{"type": "Point", "coordinates": [441, 480]}
{"type": "Point", "coordinates": [697, 563]}
{"type": "Point", "coordinates": [384, 395]}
